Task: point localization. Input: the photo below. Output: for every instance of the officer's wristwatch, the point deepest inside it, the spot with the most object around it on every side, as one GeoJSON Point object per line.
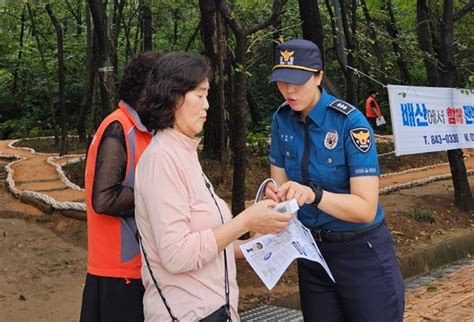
{"type": "Point", "coordinates": [318, 193]}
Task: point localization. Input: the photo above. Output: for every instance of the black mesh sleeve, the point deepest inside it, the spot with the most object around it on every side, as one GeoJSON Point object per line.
{"type": "Point", "coordinates": [109, 196]}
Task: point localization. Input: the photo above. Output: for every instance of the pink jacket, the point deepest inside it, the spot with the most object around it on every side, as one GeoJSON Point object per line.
{"type": "Point", "coordinates": [175, 212]}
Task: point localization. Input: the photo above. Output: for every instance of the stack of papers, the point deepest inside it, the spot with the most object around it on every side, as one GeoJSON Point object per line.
{"type": "Point", "coordinates": [270, 255]}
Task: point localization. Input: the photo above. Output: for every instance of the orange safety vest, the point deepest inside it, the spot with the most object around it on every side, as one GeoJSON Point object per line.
{"type": "Point", "coordinates": [369, 111]}
{"type": "Point", "coordinates": [113, 250]}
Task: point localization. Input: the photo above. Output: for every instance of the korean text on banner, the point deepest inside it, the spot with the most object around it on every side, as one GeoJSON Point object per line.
{"type": "Point", "coordinates": [428, 119]}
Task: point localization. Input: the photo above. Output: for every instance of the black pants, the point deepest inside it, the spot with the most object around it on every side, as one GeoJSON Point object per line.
{"type": "Point", "coordinates": [368, 288]}
{"type": "Point", "coordinates": [372, 122]}
{"type": "Point", "coordinates": [112, 299]}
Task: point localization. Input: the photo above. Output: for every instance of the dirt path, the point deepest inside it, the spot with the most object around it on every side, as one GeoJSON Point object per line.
{"type": "Point", "coordinates": [36, 174]}
{"type": "Point", "coordinates": [42, 275]}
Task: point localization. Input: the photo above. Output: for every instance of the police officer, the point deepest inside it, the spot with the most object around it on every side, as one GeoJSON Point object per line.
{"type": "Point", "coordinates": [323, 154]}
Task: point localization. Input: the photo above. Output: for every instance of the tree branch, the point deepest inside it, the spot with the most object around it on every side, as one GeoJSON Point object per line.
{"type": "Point", "coordinates": [193, 36]}
{"type": "Point", "coordinates": [463, 11]}
{"type": "Point", "coordinates": [232, 19]}
{"type": "Point", "coordinates": [277, 10]}
{"type": "Point", "coordinates": [68, 5]}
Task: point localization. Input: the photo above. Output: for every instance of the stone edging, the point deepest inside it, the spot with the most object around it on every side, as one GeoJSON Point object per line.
{"type": "Point", "coordinates": [424, 259]}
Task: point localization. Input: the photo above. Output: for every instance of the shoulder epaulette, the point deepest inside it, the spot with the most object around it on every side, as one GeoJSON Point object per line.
{"type": "Point", "coordinates": [343, 107]}
{"type": "Point", "coordinates": [282, 106]}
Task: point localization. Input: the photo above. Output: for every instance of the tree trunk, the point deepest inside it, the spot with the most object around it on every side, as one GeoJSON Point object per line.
{"type": "Point", "coordinates": [117, 14]}
{"type": "Point", "coordinates": [138, 32]}
{"type": "Point", "coordinates": [214, 35]}
{"type": "Point", "coordinates": [446, 57]}
{"type": "Point", "coordinates": [462, 191]}
{"type": "Point", "coordinates": [48, 81]}
{"type": "Point", "coordinates": [106, 57]}
{"type": "Point", "coordinates": [375, 43]}
{"type": "Point", "coordinates": [255, 114]}
{"type": "Point", "coordinates": [350, 29]}
{"type": "Point", "coordinates": [89, 79]}
{"type": "Point", "coordinates": [339, 41]}
{"type": "Point", "coordinates": [239, 130]}
{"type": "Point", "coordinates": [311, 23]}
{"type": "Point", "coordinates": [423, 32]}
{"type": "Point", "coordinates": [61, 81]}
{"type": "Point", "coordinates": [175, 26]}
{"type": "Point", "coordinates": [146, 27]}
{"type": "Point", "coordinates": [239, 127]}
{"type": "Point", "coordinates": [392, 30]}
{"type": "Point", "coordinates": [126, 28]}
{"type": "Point", "coordinates": [77, 14]}
{"type": "Point", "coordinates": [20, 53]}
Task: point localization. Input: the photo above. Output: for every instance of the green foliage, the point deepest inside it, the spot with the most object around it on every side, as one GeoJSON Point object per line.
{"type": "Point", "coordinates": [258, 143]}
{"type": "Point", "coordinates": [24, 81]}
{"type": "Point", "coordinates": [16, 129]}
{"type": "Point", "coordinates": [423, 215]}
{"type": "Point", "coordinates": [46, 144]}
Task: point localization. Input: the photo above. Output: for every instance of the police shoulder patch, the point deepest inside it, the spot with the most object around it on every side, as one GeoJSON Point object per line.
{"type": "Point", "coordinates": [361, 138]}
{"type": "Point", "coordinates": [343, 107]}
{"type": "Point", "coordinates": [282, 106]}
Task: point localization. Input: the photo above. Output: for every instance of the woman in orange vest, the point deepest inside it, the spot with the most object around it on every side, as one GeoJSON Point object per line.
{"type": "Point", "coordinates": [372, 109]}
{"type": "Point", "coordinates": [113, 290]}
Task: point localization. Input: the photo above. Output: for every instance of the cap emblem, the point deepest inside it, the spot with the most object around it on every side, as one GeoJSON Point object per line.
{"type": "Point", "coordinates": [286, 57]}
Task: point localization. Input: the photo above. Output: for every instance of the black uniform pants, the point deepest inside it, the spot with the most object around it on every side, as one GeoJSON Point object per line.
{"type": "Point", "coordinates": [369, 286]}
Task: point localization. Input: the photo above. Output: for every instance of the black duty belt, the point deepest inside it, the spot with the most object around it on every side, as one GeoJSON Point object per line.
{"type": "Point", "coordinates": [322, 235]}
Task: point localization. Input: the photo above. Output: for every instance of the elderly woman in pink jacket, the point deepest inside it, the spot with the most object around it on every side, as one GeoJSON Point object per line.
{"type": "Point", "coordinates": [187, 232]}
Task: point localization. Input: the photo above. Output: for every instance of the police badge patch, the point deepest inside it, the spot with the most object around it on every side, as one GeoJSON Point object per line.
{"type": "Point", "coordinates": [330, 141]}
{"type": "Point", "coordinates": [361, 138]}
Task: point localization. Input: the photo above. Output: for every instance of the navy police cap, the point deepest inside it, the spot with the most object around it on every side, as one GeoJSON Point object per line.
{"type": "Point", "coordinates": [296, 61]}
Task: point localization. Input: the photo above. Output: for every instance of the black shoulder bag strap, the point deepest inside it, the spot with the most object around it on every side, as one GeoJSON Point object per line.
{"type": "Point", "coordinates": [226, 276]}
{"type": "Point", "coordinates": [226, 273]}
{"type": "Point", "coordinates": [173, 317]}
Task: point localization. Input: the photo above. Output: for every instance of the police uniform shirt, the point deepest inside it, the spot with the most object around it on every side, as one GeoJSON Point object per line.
{"type": "Point", "coordinates": [341, 146]}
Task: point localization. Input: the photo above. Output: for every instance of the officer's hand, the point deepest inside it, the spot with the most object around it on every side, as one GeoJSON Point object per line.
{"type": "Point", "coordinates": [290, 189]}
{"type": "Point", "coordinates": [271, 192]}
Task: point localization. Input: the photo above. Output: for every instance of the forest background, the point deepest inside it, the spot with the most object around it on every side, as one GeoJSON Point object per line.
{"type": "Point", "coordinates": [61, 61]}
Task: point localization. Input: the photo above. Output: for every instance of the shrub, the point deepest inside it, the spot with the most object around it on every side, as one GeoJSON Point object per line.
{"type": "Point", "coordinates": [423, 215]}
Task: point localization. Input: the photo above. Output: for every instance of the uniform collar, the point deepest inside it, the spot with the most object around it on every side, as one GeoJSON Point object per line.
{"type": "Point", "coordinates": [181, 139]}
{"type": "Point", "coordinates": [133, 115]}
{"type": "Point", "coordinates": [318, 113]}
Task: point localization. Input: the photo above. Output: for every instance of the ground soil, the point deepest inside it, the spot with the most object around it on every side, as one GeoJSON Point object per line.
{"type": "Point", "coordinates": [43, 257]}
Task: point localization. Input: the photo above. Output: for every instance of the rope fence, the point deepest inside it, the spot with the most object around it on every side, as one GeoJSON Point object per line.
{"type": "Point", "coordinates": [59, 168]}
{"type": "Point", "coordinates": [29, 194]}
